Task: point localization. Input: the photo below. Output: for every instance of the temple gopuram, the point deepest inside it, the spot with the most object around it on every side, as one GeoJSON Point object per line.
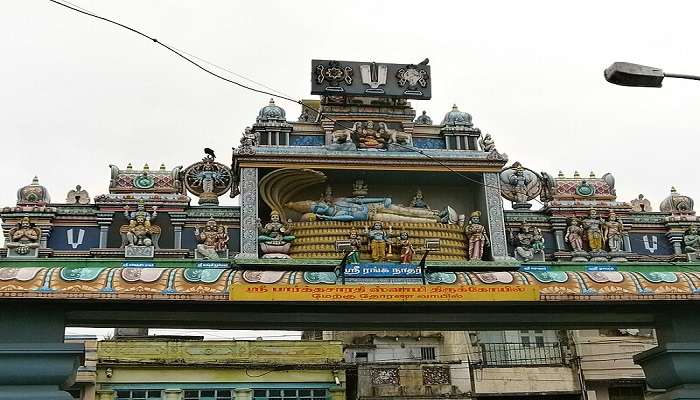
{"type": "Point", "coordinates": [360, 200]}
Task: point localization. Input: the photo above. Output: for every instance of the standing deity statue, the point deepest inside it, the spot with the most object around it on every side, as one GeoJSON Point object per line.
{"type": "Point", "coordinates": [612, 233]}
{"type": "Point", "coordinates": [574, 235]}
{"type": "Point", "coordinates": [379, 241]}
{"type": "Point", "coordinates": [24, 237]}
{"type": "Point", "coordinates": [418, 200]}
{"type": "Point", "coordinates": [355, 244]}
{"type": "Point", "coordinates": [519, 181]}
{"type": "Point", "coordinates": [691, 240]}
{"type": "Point", "coordinates": [222, 238]}
{"type": "Point", "coordinates": [476, 236]}
{"type": "Point", "coordinates": [211, 239]}
{"type": "Point", "coordinates": [537, 241]}
{"type": "Point", "coordinates": [407, 250]}
{"type": "Point", "coordinates": [594, 233]}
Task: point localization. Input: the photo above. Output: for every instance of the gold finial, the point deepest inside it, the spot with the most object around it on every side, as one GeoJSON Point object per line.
{"type": "Point", "coordinates": [145, 167]}
{"type": "Point", "coordinates": [162, 166]}
{"type": "Point", "coordinates": [128, 166]}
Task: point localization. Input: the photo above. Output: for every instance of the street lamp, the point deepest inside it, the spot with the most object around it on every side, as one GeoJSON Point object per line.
{"type": "Point", "coordinates": [628, 74]}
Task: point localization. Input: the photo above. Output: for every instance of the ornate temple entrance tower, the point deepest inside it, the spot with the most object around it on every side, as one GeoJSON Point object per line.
{"type": "Point", "coordinates": [360, 167]}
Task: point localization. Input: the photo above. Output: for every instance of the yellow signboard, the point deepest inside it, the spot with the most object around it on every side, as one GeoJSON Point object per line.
{"type": "Point", "coordinates": [389, 293]}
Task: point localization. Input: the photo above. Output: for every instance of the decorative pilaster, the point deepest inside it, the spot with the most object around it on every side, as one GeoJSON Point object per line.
{"type": "Point", "coordinates": [494, 215]}
{"type": "Point", "coordinates": [178, 221]}
{"type": "Point", "coordinates": [249, 213]}
{"type": "Point", "coordinates": [104, 220]}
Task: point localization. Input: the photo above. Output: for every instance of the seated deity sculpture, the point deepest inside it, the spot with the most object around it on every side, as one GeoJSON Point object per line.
{"type": "Point", "coordinates": [140, 231]}
{"type": "Point", "coordinates": [691, 240]}
{"type": "Point", "coordinates": [275, 237]}
{"type": "Point", "coordinates": [418, 200]}
{"type": "Point", "coordinates": [371, 138]}
{"type": "Point", "coordinates": [24, 238]}
{"type": "Point", "coordinates": [212, 241]}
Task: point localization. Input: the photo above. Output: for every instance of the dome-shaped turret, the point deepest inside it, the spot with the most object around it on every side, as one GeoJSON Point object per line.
{"type": "Point", "coordinates": [677, 203]}
{"type": "Point", "coordinates": [457, 118]}
{"type": "Point", "coordinates": [33, 193]}
{"type": "Point", "coordinates": [423, 119]}
{"type": "Point", "coordinates": [271, 112]}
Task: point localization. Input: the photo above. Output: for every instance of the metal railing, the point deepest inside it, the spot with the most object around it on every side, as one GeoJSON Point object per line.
{"type": "Point", "coordinates": [520, 355]}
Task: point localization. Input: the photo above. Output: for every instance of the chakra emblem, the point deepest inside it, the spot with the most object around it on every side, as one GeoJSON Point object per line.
{"type": "Point", "coordinates": [334, 74]}
{"type": "Point", "coordinates": [413, 78]}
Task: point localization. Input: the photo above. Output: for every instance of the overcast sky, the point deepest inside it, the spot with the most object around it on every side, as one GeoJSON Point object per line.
{"type": "Point", "coordinates": [78, 94]}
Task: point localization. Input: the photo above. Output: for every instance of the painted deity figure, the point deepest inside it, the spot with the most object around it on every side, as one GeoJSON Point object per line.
{"type": "Point", "coordinates": [691, 240]}
{"type": "Point", "coordinates": [537, 240]}
{"type": "Point", "coordinates": [275, 232]}
{"type": "Point", "coordinates": [526, 244]}
{"type": "Point", "coordinates": [407, 250]}
{"type": "Point", "coordinates": [487, 143]}
{"type": "Point", "coordinates": [519, 181]}
{"type": "Point", "coordinates": [476, 236]}
{"type": "Point", "coordinates": [24, 237]}
{"type": "Point", "coordinates": [140, 211]}
{"type": "Point", "coordinates": [365, 209]}
{"type": "Point", "coordinates": [418, 200]}
{"type": "Point", "coordinates": [574, 235]}
{"type": "Point", "coordinates": [379, 241]}
{"type": "Point", "coordinates": [593, 224]}
{"type": "Point", "coordinates": [612, 232]}
{"type": "Point", "coordinates": [356, 244]}
{"type": "Point", "coordinates": [222, 237]}
{"type": "Point", "coordinates": [210, 239]}
{"type": "Point", "coordinates": [370, 138]}
{"type": "Point", "coordinates": [139, 230]}
{"type": "Point", "coordinates": [327, 195]}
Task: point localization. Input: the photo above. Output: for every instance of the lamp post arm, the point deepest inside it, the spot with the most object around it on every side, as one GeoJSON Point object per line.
{"type": "Point", "coordinates": [682, 76]}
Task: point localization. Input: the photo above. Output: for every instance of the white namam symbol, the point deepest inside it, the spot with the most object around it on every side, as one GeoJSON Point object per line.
{"type": "Point", "coordinates": [75, 242]}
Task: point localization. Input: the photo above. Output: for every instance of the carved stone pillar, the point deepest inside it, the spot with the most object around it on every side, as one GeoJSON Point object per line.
{"type": "Point", "coordinates": [494, 216]}
{"type": "Point", "coordinates": [249, 213]}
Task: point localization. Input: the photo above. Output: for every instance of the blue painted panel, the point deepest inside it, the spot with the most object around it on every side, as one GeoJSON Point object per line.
{"type": "Point", "coordinates": [652, 244]}
{"type": "Point", "coordinates": [74, 238]}
{"type": "Point", "coordinates": [429, 143]}
{"type": "Point", "coordinates": [307, 140]}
